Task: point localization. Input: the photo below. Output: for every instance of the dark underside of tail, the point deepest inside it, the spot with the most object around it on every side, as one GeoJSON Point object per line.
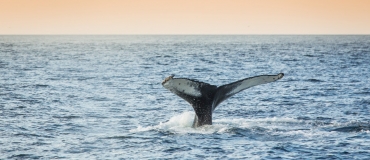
{"type": "Point", "coordinates": [203, 105]}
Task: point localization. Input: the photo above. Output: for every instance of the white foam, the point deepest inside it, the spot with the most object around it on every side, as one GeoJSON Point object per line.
{"type": "Point", "coordinates": [262, 122]}
{"type": "Point", "coordinates": [177, 122]}
{"type": "Point", "coordinates": [184, 120]}
{"type": "Point", "coordinates": [182, 124]}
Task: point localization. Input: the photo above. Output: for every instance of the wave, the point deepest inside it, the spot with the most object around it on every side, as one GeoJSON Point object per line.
{"type": "Point", "coordinates": [353, 127]}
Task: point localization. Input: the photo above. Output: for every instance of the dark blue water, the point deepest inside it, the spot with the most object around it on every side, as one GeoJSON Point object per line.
{"type": "Point", "coordinates": [100, 97]}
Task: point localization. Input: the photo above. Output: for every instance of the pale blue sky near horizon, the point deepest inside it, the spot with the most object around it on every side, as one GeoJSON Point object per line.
{"type": "Point", "coordinates": [168, 17]}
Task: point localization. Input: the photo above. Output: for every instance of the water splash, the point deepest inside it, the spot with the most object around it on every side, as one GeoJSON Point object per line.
{"type": "Point", "coordinates": [182, 123]}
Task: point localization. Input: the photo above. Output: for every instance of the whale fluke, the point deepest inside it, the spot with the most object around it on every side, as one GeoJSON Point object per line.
{"type": "Point", "coordinates": [205, 97]}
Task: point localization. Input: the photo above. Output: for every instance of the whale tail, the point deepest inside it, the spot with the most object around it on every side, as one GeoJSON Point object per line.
{"type": "Point", "coordinates": [204, 97]}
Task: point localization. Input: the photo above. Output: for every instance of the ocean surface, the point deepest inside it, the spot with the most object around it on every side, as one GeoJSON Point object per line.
{"type": "Point", "coordinates": [100, 97]}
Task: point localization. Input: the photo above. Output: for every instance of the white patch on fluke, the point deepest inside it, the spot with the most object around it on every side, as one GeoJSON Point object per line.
{"type": "Point", "coordinates": [183, 85]}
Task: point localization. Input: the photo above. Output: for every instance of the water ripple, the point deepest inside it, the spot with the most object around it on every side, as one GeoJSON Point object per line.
{"type": "Point", "coordinates": [100, 97]}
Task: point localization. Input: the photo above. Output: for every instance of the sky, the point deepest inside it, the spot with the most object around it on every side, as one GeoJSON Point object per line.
{"type": "Point", "coordinates": [117, 17]}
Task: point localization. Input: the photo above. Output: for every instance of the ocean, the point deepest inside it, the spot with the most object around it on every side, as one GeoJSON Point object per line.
{"type": "Point", "coordinates": [100, 97]}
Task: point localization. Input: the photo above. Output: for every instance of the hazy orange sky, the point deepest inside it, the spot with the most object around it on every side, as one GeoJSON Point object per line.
{"type": "Point", "coordinates": [184, 16]}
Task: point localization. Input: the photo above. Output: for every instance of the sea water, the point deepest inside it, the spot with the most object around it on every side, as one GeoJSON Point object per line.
{"type": "Point", "coordinates": [100, 97]}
